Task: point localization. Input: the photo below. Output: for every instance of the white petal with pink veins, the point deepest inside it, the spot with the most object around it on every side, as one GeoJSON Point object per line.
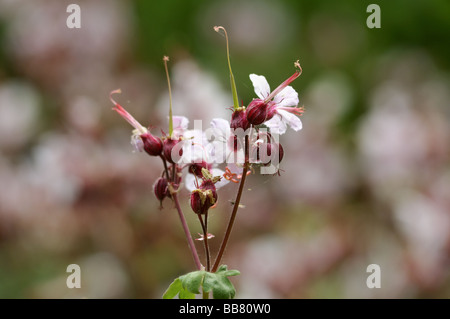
{"type": "Point", "coordinates": [293, 120]}
{"type": "Point", "coordinates": [190, 182]}
{"type": "Point", "coordinates": [262, 88]}
{"type": "Point", "coordinates": [287, 97]}
{"type": "Point", "coordinates": [276, 125]}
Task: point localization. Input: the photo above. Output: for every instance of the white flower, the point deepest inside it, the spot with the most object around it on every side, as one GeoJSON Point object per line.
{"type": "Point", "coordinates": [198, 154]}
{"type": "Point", "coordinates": [226, 147]}
{"type": "Point", "coordinates": [180, 125]}
{"type": "Point", "coordinates": [281, 103]}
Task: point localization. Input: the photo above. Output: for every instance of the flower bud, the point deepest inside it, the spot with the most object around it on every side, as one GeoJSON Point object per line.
{"type": "Point", "coordinates": [257, 112]}
{"type": "Point", "coordinates": [204, 197]}
{"type": "Point", "coordinates": [151, 144]}
{"type": "Point", "coordinates": [196, 168]}
{"type": "Point", "coordinates": [239, 119]}
{"type": "Point", "coordinates": [160, 188]}
{"type": "Point", "coordinates": [168, 146]}
{"type": "Point", "coordinates": [266, 151]}
{"type": "Point", "coordinates": [271, 110]}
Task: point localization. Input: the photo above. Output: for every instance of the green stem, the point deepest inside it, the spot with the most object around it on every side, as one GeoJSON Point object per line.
{"type": "Point", "coordinates": [166, 59]}
{"type": "Point", "coordinates": [233, 84]}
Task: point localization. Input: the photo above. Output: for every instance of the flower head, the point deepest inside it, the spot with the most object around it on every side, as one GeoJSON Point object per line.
{"type": "Point", "coordinates": [239, 119]}
{"type": "Point", "coordinates": [141, 138]}
{"type": "Point", "coordinates": [160, 188]}
{"type": "Point", "coordinates": [205, 195]}
{"type": "Point", "coordinates": [278, 108]}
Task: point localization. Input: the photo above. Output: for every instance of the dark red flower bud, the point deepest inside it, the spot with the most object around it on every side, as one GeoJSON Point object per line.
{"type": "Point", "coordinates": [257, 112]}
{"type": "Point", "coordinates": [204, 197]}
{"type": "Point", "coordinates": [267, 151]}
{"type": "Point", "coordinates": [168, 146]}
{"type": "Point", "coordinates": [196, 168]}
{"type": "Point", "coordinates": [160, 188]}
{"type": "Point", "coordinates": [271, 111]}
{"type": "Point", "coordinates": [152, 144]}
{"type": "Point", "coordinates": [239, 119]}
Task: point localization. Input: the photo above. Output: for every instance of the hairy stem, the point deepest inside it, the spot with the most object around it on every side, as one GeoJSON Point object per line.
{"type": "Point", "coordinates": [235, 208]}
{"type": "Point", "coordinates": [187, 232]}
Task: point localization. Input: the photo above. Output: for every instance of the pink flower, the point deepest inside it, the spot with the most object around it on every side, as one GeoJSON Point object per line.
{"type": "Point", "coordinates": [141, 138]}
{"type": "Point", "coordinates": [278, 108]}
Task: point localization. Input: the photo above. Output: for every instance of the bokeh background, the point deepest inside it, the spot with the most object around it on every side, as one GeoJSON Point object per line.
{"type": "Point", "coordinates": [367, 180]}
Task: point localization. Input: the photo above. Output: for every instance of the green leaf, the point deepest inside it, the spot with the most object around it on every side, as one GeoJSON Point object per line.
{"type": "Point", "coordinates": [193, 283]}
{"type": "Point", "coordinates": [223, 288]}
{"type": "Point", "coordinates": [185, 294]}
{"type": "Point", "coordinates": [223, 271]}
{"type": "Point", "coordinates": [209, 281]}
{"type": "Point", "coordinates": [174, 288]}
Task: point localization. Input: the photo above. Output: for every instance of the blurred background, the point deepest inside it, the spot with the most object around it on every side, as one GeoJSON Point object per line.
{"type": "Point", "coordinates": [367, 180]}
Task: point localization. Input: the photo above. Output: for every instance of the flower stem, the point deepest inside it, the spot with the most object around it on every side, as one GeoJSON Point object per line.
{"type": "Point", "coordinates": [165, 167]}
{"type": "Point", "coordinates": [187, 232]}
{"type": "Point", "coordinates": [205, 239]}
{"type": "Point", "coordinates": [235, 208]}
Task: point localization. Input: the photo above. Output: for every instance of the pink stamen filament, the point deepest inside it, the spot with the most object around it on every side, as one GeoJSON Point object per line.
{"type": "Point", "coordinates": [285, 83]}
{"type": "Point", "coordinates": [127, 116]}
{"type": "Point", "coordinates": [294, 110]}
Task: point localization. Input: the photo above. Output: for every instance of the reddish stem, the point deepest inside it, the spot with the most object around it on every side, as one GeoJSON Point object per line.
{"type": "Point", "coordinates": [235, 208]}
{"type": "Point", "coordinates": [187, 232]}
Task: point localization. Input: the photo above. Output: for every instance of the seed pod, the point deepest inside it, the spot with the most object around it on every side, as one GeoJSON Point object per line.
{"type": "Point", "coordinates": [265, 152]}
{"type": "Point", "coordinates": [168, 146]}
{"type": "Point", "coordinates": [160, 188]}
{"type": "Point", "coordinates": [196, 168]}
{"type": "Point", "coordinates": [204, 197]}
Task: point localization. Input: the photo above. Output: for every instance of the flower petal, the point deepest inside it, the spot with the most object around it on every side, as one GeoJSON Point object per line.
{"type": "Point", "coordinates": [217, 151]}
{"type": "Point", "coordinates": [262, 88]}
{"type": "Point", "coordinates": [219, 172]}
{"type": "Point", "coordinates": [276, 125]}
{"type": "Point", "coordinates": [287, 97]}
{"type": "Point", "coordinates": [291, 119]}
{"type": "Point", "coordinates": [190, 182]}
{"type": "Point", "coordinates": [180, 124]}
{"type": "Point", "coordinates": [220, 129]}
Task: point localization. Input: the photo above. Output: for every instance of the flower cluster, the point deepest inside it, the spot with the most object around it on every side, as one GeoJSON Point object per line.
{"type": "Point", "coordinates": [194, 156]}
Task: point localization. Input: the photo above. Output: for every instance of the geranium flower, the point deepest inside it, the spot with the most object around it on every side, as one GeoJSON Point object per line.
{"type": "Point", "coordinates": [276, 109]}
{"type": "Point", "coordinates": [141, 138]}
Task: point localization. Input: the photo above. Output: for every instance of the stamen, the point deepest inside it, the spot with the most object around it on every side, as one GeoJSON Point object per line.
{"type": "Point", "coordinates": [285, 83]}
{"type": "Point", "coordinates": [294, 110]}
{"type": "Point", "coordinates": [127, 116]}
{"type": "Point", "coordinates": [233, 177]}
